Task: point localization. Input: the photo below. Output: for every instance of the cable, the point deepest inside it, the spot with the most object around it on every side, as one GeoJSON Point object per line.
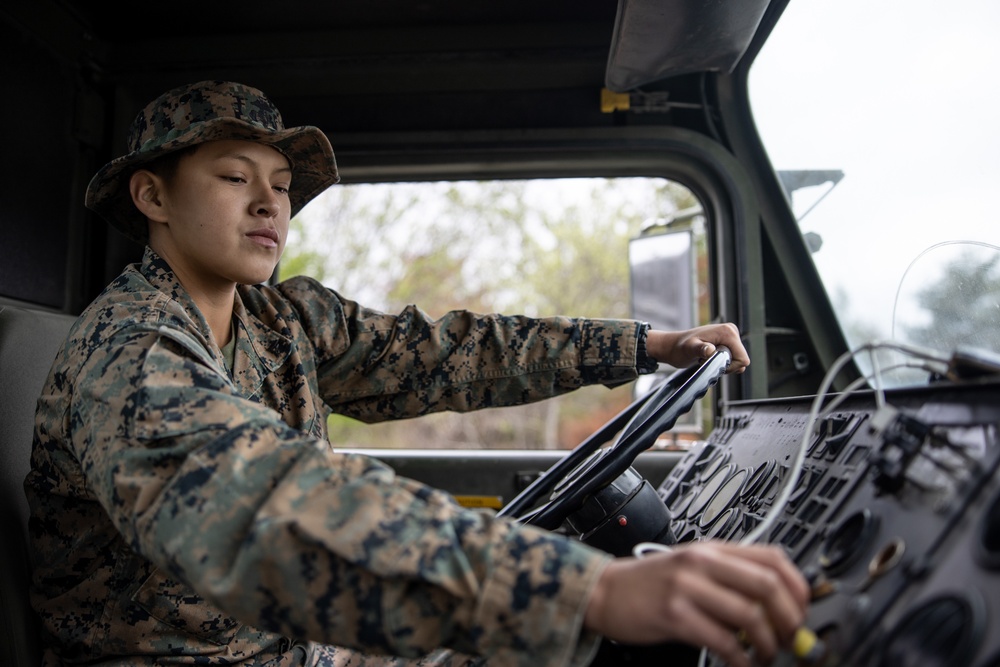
{"type": "Point", "coordinates": [796, 467]}
{"type": "Point", "coordinates": [838, 365]}
{"type": "Point", "coordinates": [862, 381]}
{"type": "Point", "coordinates": [806, 639]}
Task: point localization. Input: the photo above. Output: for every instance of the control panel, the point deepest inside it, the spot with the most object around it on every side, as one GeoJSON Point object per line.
{"type": "Point", "coordinates": [889, 503]}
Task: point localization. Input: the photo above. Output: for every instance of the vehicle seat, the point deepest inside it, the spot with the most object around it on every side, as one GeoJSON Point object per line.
{"type": "Point", "coordinates": [29, 340]}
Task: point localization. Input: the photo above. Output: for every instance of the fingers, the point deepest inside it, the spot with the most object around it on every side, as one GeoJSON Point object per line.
{"type": "Point", "coordinates": [683, 348]}
{"type": "Point", "coordinates": [771, 597]}
{"type": "Point", "coordinates": [754, 590]}
{"type": "Point", "coordinates": [701, 629]}
{"type": "Point", "coordinates": [775, 559]}
{"type": "Point", "coordinates": [713, 594]}
{"type": "Point", "coordinates": [698, 344]}
{"type": "Point", "coordinates": [732, 619]}
{"type": "Point", "coordinates": [724, 334]}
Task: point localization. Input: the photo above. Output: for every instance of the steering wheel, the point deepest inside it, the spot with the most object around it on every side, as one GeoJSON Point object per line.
{"type": "Point", "coordinates": [589, 468]}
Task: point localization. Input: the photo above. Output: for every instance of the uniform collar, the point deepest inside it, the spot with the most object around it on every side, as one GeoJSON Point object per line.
{"type": "Point", "coordinates": [259, 348]}
{"type": "Point", "coordinates": [163, 279]}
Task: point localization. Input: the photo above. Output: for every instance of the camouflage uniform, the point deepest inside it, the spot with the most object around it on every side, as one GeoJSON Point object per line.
{"type": "Point", "coordinates": [186, 513]}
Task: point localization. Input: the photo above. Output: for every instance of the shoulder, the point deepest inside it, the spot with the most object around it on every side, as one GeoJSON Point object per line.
{"type": "Point", "coordinates": [128, 309]}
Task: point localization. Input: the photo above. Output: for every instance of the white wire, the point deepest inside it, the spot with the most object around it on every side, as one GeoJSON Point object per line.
{"type": "Point", "coordinates": [876, 379]}
{"type": "Point", "coordinates": [796, 467]}
{"type": "Point", "coordinates": [778, 507]}
{"type": "Point", "coordinates": [862, 381]}
{"type": "Point", "coordinates": [814, 416]}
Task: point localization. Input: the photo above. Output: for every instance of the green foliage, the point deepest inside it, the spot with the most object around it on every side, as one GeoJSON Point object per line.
{"type": "Point", "coordinates": [303, 261]}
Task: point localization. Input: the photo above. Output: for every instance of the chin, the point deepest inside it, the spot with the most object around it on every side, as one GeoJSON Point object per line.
{"type": "Point", "coordinates": [256, 276]}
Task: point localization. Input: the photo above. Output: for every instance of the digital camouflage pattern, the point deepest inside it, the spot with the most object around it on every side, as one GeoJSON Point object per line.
{"type": "Point", "coordinates": [183, 513]}
{"type": "Point", "coordinates": [199, 112]}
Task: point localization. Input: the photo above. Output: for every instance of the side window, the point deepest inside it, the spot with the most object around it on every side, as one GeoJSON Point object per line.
{"type": "Point", "coordinates": [534, 247]}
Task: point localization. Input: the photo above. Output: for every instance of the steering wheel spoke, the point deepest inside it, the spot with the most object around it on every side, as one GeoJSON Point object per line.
{"type": "Point", "coordinates": [589, 468]}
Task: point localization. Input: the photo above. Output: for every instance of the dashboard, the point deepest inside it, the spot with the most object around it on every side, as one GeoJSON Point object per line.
{"type": "Point", "coordinates": [888, 501]}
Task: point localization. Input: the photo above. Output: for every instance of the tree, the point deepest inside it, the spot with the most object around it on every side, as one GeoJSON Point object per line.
{"type": "Point", "coordinates": [963, 306]}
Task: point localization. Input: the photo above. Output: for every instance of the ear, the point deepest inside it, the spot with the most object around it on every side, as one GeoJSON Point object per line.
{"type": "Point", "coordinates": [147, 191]}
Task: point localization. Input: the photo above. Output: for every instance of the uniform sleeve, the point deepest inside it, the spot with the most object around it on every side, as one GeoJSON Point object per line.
{"type": "Point", "coordinates": [286, 535]}
{"type": "Point", "coordinates": [374, 366]}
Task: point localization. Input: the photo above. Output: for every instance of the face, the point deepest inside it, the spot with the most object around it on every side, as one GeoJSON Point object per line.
{"type": "Point", "coordinates": [222, 219]}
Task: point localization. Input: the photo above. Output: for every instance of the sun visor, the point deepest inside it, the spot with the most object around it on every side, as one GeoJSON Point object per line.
{"type": "Point", "coordinates": [657, 39]}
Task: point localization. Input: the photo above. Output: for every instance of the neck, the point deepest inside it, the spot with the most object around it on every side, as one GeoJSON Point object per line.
{"type": "Point", "coordinates": [215, 301]}
{"type": "Point", "coordinates": [217, 308]}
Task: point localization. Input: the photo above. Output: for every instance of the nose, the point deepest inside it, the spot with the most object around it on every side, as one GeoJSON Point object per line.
{"type": "Point", "coordinates": [266, 204]}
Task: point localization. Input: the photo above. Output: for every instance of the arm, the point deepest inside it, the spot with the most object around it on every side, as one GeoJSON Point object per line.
{"type": "Point", "coordinates": [376, 366]}
{"type": "Point", "coordinates": [277, 530]}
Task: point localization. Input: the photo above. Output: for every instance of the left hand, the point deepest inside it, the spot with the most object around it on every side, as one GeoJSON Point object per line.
{"type": "Point", "coordinates": [681, 349]}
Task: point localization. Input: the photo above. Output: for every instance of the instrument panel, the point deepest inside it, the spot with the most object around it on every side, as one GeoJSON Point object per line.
{"type": "Point", "coordinates": [889, 503]}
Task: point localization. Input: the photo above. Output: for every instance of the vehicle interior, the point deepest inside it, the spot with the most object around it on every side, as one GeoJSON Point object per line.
{"type": "Point", "coordinates": [887, 496]}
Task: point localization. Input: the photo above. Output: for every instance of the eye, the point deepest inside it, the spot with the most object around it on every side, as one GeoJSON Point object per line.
{"type": "Point", "coordinates": [235, 179]}
{"type": "Point", "coordinates": [281, 189]}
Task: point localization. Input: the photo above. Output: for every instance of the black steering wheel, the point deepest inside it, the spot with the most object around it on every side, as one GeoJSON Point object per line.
{"type": "Point", "coordinates": [589, 468]}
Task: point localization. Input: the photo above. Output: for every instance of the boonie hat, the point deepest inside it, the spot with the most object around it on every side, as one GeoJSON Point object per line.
{"type": "Point", "coordinates": [201, 112]}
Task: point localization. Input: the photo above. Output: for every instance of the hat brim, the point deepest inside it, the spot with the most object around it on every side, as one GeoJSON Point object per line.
{"type": "Point", "coordinates": [314, 168]}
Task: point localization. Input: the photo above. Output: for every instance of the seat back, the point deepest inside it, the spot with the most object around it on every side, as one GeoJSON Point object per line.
{"type": "Point", "coordinates": [29, 341]}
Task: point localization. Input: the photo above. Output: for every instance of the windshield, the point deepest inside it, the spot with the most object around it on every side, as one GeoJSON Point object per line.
{"type": "Point", "coordinates": [879, 119]}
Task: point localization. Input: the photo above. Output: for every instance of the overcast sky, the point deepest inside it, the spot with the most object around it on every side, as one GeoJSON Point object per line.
{"type": "Point", "coordinates": [903, 97]}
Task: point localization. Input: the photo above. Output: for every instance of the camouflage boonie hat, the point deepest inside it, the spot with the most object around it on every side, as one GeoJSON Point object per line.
{"type": "Point", "coordinates": [201, 112]}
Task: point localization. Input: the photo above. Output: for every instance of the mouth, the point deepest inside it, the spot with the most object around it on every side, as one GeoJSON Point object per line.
{"type": "Point", "coordinates": [264, 236]}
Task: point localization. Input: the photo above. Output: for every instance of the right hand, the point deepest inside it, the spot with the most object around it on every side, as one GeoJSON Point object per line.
{"type": "Point", "coordinates": [684, 348]}
{"type": "Point", "coordinates": [703, 594]}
